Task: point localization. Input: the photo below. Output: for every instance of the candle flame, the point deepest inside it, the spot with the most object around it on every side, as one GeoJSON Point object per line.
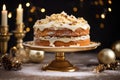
{"type": "Point", "coordinates": [4, 7]}
{"type": "Point", "coordinates": [20, 6]}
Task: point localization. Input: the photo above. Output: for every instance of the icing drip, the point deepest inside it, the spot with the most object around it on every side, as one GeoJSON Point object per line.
{"type": "Point", "coordinates": [62, 20]}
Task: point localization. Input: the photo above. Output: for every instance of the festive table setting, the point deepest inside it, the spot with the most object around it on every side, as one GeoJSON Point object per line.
{"type": "Point", "coordinates": [85, 61]}
{"type": "Point", "coordinates": [29, 60]}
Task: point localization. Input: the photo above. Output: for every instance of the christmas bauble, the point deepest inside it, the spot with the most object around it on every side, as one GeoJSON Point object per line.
{"type": "Point", "coordinates": [106, 56]}
{"type": "Point", "coordinates": [116, 48]}
{"type": "Point", "coordinates": [36, 56]}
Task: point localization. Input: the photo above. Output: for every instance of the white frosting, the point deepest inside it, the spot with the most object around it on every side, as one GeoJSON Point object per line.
{"type": "Point", "coordinates": [62, 20]}
{"type": "Point", "coordinates": [63, 39]}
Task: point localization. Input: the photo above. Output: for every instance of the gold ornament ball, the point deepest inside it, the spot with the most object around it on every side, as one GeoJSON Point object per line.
{"type": "Point", "coordinates": [116, 48]}
{"type": "Point", "coordinates": [36, 56]}
{"type": "Point", "coordinates": [106, 56]}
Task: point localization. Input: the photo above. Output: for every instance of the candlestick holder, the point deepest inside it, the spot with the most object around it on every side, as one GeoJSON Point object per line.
{"type": "Point", "coordinates": [4, 38]}
{"type": "Point", "coordinates": [19, 33]}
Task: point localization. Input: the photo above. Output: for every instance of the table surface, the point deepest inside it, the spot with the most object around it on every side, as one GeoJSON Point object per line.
{"type": "Point", "coordinates": [85, 61]}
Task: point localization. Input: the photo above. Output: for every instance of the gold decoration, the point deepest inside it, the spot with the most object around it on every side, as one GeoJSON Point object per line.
{"type": "Point", "coordinates": [19, 33]}
{"type": "Point", "coordinates": [4, 38]}
{"type": "Point", "coordinates": [102, 67]}
{"type": "Point", "coordinates": [36, 56]}
{"type": "Point", "coordinates": [116, 48]}
{"type": "Point", "coordinates": [99, 68]}
{"type": "Point", "coordinates": [21, 53]}
{"type": "Point", "coordinates": [106, 56]}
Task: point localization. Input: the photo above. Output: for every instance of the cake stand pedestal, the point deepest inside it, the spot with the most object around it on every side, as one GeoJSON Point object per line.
{"type": "Point", "coordinates": [60, 63]}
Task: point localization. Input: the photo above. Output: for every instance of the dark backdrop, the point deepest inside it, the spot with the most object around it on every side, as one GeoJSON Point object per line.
{"type": "Point", "coordinates": [85, 8]}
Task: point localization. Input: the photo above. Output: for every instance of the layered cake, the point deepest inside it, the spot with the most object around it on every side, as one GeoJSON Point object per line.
{"type": "Point", "coordinates": [61, 29]}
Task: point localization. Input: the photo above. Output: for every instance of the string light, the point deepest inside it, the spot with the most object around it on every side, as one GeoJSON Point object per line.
{"type": "Point", "coordinates": [27, 4]}
{"type": "Point", "coordinates": [102, 25]}
{"type": "Point", "coordinates": [27, 29]}
{"type": "Point", "coordinates": [75, 9]}
{"type": "Point", "coordinates": [30, 19]}
{"type": "Point", "coordinates": [109, 9]}
{"type": "Point", "coordinates": [103, 16]}
{"type": "Point", "coordinates": [81, 0]}
{"type": "Point", "coordinates": [97, 16]}
{"type": "Point", "coordinates": [32, 10]}
{"type": "Point", "coordinates": [101, 2]}
{"type": "Point", "coordinates": [96, 3]}
{"type": "Point", "coordinates": [109, 1]}
{"type": "Point", "coordinates": [42, 10]}
{"type": "Point", "coordinates": [9, 15]}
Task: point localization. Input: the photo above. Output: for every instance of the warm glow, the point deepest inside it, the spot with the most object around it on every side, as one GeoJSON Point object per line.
{"type": "Point", "coordinates": [27, 29]}
{"type": "Point", "coordinates": [33, 9]}
{"type": "Point", "coordinates": [9, 15]}
{"type": "Point", "coordinates": [103, 16]}
{"type": "Point", "coordinates": [97, 15]}
{"type": "Point", "coordinates": [42, 10]}
{"type": "Point", "coordinates": [75, 9]}
{"type": "Point", "coordinates": [102, 25]}
{"type": "Point", "coordinates": [4, 7]}
{"type": "Point", "coordinates": [109, 1]}
{"type": "Point", "coordinates": [109, 9]}
{"type": "Point", "coordinates": [81, 0]}
{"type": "Point", "coordinates": [30, 19]}
{"type": "Point", "coordinates": [27, 4]}
{"type": "Point", "coordinates": [96, 2]}
{"type": "Point", "coordinates": [101, 2]}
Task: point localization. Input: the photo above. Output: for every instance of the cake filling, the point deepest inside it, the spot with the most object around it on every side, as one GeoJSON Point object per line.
{"type": "Point", "coordinates": [62, 39]}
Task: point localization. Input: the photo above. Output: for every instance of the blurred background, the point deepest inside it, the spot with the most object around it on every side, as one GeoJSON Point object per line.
{"type": "Point", "coordinates": [102, 16]}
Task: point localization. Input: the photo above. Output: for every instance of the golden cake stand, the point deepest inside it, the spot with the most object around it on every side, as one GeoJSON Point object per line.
{"type": "Point", "coordinates": [60, 63]}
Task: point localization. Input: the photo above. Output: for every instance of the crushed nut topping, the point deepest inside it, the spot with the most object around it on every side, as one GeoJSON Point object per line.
{"type": "Point", "coordinates": [63, 18]}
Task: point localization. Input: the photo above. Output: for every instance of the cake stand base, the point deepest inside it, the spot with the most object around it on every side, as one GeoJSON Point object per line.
{"type": "Point", "coordinates": [60, 64]}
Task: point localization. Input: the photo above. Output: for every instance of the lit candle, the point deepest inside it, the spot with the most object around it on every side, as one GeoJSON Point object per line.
{"type": "Point", "coordinates": [19, 18]}
{"type": "Point", "coordinates": [4, 16]}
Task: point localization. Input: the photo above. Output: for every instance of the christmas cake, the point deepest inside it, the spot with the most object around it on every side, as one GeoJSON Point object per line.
{"type": "Point", "coordinates": [61, 29]}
